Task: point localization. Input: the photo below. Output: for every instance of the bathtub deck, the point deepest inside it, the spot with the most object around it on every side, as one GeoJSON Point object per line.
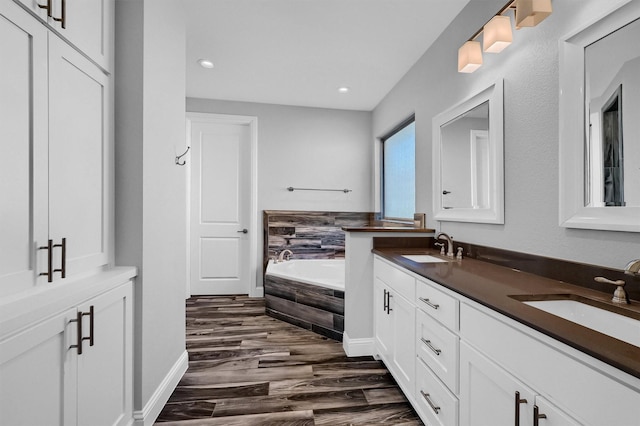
{"type": "Point", "coordinates": [314, 308]}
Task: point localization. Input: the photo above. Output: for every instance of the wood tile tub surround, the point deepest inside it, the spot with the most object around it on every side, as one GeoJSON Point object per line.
{"type": "Point", "coordinates": [491, 285]}
{"type": "Point", "coordinates": [314, 308]}
{"type": "Point", "coordinates": [309, 234]}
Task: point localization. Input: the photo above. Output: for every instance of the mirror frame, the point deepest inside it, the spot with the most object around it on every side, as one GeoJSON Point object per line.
{"type": "Point", "coordinates": [494, 94]}
{"type": "Point", "coordinates": [572, 209]}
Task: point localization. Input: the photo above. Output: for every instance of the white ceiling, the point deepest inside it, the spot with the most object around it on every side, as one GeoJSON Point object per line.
{"type": "Point", "coordinates": [299, 52]}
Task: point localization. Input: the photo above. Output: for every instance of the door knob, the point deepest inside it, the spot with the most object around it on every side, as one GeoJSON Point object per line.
{"type": "Point", "coordinates": [244, 231]}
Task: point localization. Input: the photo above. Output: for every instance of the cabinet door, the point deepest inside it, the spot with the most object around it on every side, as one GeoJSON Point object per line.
{"type": "Point", "coordinates": [383, 326]}
{"type": "Point", "coordinates": [403, 315]}
{"type": "Point", "coordinates": [105, 369]}
{"type": "Point", "coordinates": [489, 395]}
{"type": "Point", "coordinates": [79, 158]}
{"type": "Point", "coordinates": [87, 26]}
{"type": "Point", "coordinates": [23, 146]}
{"type": "Point", "coordinates": [549, 415]}
{"type": "Point", "coordinates": [38, 373]}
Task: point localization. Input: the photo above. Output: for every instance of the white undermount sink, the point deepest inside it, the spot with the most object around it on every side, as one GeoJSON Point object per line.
{"type": "Point", "coordinates": [423, 258]}
{"type": "Point", "coordinates": [610, 323]}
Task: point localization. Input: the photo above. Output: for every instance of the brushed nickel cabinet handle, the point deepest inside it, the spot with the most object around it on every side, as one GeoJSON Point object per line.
{"type": "Point", "coordinates": [433, 406]}
{"type": "Point", "coordinates": [49, 273]}
{"type": "Point", "coordinates": [63, 15]}
{"type": "Point", "coordinates": [430, 346]}
{"type": "Point", "coordinates": [46, 6]}
{"type": "Point", "coordinates": [63, 265]}
{"type": "Point", "coordinates": [428, 302]}
{"type": "Point", "coordinates": [537, 416]}
{"type": "Point", "coordinates": [518, 401]}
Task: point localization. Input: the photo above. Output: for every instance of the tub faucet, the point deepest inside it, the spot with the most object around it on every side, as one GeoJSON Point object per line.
{"type": "Point", "coordinates": [633, 268]}
{"type": "Point", "coordinates": [449, 241]}
{"type": "Point", "coordinates": [284, 253]}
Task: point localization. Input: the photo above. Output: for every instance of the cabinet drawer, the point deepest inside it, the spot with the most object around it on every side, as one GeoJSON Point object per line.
{"type": "Point", "coordinates": [435, 402]}
{"type": "Point", "coordinates": [436, 303]}
{"type": "Point", "coordinates": [400, 281]}
{"type": "Point", "coordinates": [438, 348]}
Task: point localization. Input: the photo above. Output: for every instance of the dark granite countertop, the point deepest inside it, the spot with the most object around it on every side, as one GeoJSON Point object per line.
{"type": "Point", "coordinates": [492, 285]}
{"type": "Point", "coordinates": [388, 229]}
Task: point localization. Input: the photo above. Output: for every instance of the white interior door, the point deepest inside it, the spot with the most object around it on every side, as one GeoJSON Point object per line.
{"type": "Point", "coordinates": [221, 193]}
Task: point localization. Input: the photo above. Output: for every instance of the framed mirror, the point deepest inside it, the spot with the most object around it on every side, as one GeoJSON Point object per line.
{"type": "Point", "coordinates": [600, 123]}
{"type": "Point", "coordinates": [468, 173]}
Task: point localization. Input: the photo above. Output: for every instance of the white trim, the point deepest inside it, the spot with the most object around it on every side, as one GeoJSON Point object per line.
{"type": "Point", "coordinates": [572, 211]}
{"type": "Point", "coordinates": [252, 122]}
{"type": "Point", "coordinates": [495, 212]}
{"type": "Point", "coordinates": [151, 410]}
{"type": "Point", "coordinates": [357, 347]}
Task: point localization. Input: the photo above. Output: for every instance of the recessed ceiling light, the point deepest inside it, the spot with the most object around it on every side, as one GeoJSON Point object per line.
{"type": "Point", "coordinates": [205, 63]}
{"type": "Point", "coordinates": [343, 89]}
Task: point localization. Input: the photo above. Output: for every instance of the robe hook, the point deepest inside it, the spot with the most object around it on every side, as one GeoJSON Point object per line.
{"type": "Point", "coordinates": [180, 156]}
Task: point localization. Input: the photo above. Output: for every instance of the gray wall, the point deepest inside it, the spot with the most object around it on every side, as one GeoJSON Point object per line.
{"type": "Point", "coordinates": [530, 68]}
{"type": "Point", "coordinates": [150, 188]}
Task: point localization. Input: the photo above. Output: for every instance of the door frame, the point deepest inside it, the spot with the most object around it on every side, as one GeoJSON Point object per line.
{"type": "Point", "coordinates": [252, 122]}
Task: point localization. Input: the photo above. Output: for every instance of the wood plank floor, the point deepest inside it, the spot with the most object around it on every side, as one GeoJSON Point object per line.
{"type": "Point", "coordinates": [246, 368]}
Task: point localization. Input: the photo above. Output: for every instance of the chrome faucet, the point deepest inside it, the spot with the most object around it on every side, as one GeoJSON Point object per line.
{"type": "Point", "coordinates": [633, 268]}
{"type": "Point", "coordinates": [284, 253]}
{"type": "Point", "coordinates": [449, 241]}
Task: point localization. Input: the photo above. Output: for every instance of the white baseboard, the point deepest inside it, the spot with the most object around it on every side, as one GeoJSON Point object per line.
{"type": "Point", "coordinates": [357, 347]}
{"type": "Point", "coordinates": [258, 292]}
{"type": "Point", "coordinates": [148, 415]}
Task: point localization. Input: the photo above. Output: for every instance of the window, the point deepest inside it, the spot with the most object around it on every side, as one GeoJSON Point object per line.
{"type": "Point", "coordinates": [399, 172]}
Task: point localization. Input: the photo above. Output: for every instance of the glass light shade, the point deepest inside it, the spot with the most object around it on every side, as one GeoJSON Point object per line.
{"type": "Point", "coordinates": [530, 13]}
{"type": "Point", "coordinates": [469, 57]}
{"type": "Point", "coordinates": [497, 34]}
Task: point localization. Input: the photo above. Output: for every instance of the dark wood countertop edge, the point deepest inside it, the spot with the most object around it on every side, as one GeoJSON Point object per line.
{"type": "Point", "coordinates": [614, 352]}
{"type": "Point", "coordinates": [389, 229]}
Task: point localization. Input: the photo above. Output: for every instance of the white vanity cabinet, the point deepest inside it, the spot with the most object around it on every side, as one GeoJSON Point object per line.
{"type": "Point", "coordinates": [476, 367]}
{"type": "Point", "coordinates": [84, 23]}
{"type": "Point", "coordinates": [394, 322]}
{"type": "Point", "coordinates": [56, 105]}
{"type": "Point", "coordinates": [42, 366]}
{"type": "Point", "coordinates": [569, 386]}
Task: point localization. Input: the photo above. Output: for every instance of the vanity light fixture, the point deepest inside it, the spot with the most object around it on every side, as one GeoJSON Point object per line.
{"type": "Point", "coordinates": [343, 89]}
{"type": "Point", "coordinates": [497, 33]}
{"type": "Point", "coordinates": [530, 13]}
{"type": "Point", "coordinates": [205, 63]}
{"type": "Point", "coordinates": [469, 57]}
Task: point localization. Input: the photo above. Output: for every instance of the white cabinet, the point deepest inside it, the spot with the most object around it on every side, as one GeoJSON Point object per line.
{"type": "Point", "coordinates": [57, 187]}
{"type": "Point", "coordinates": [79, 157]}
{"type": "Point", "coordinates": [489, 395]}
{"type": "Point", "coordinates": [23, 136]}
{"type": "Point", "coordinates": [580, 387]}
{"type": "Point", "coordinates": [38, 370]}
{"type": "Point", "coordinates": [394, 322]}
{"type": "Point", "coordinates": [87, 24]}
{"type": "Point", "coordinates": [42, 367]}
